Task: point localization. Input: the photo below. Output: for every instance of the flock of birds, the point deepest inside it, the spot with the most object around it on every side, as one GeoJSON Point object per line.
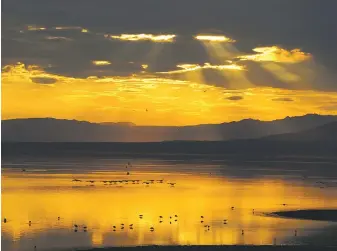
{"type": "Point", "coordinates": [115, 182]}
{"type": "Point", "coordinates": [130, 181]}
{"type": "Point", "coordinates": [172, 219]}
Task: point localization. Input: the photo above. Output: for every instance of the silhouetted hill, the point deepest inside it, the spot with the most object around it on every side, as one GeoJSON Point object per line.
{"type": "Point", "coordinates": [327, 132]}
{"type": "Point", "coordinates": [57, 130]}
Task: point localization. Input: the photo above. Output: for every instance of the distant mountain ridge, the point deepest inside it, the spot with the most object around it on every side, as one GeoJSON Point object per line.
{"type": "Point", "coordinates": [326, 132]}
{"type": "Point", "coordinates": [59, 130]}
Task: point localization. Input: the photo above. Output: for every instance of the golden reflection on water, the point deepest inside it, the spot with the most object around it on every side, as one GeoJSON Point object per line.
{"type": "Point", "coordinates": [43, 197]}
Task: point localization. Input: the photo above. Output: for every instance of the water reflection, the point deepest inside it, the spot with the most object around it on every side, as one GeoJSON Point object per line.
{"type": "Point", "coordinates": [49, 198]}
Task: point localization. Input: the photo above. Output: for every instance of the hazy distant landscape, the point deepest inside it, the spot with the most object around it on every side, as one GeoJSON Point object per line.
{"type": "Point", "coordinates": [56, 130]}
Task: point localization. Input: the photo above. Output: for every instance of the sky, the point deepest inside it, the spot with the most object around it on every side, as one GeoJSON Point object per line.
{"type": "Point", "coordinates": [168, 62]}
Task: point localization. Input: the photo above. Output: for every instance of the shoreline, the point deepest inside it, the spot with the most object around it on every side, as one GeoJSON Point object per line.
{"type": "Point", "coordinates": [217, 247]}
{"type": "Point", "coordinates": [308, 214]}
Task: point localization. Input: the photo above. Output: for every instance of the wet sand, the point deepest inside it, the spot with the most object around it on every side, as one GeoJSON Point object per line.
{"type": "Point", "coordinates": [225, 248]}
{"type": "Point", "coordinates": [317, 214]}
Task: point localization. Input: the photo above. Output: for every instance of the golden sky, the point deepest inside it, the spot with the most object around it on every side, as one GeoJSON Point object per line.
{"type": "Point", "coordinates": [186, 93]}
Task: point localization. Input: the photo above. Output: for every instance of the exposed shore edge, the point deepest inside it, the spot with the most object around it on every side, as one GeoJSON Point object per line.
{"type": "Point", "coordinates": [218, 247]}
{"type": "Point", "coordinates": [309, 214]}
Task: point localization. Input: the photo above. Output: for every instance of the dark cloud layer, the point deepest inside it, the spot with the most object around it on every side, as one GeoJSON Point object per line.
{"type": "Point", "coordinates": [283, 99]}
{"type": "Point", "coordinates": [307, 24]}
{"type": "Point", "coordinates": [41, 80]}
{"type": "Point", "coordinates": [235, 98]}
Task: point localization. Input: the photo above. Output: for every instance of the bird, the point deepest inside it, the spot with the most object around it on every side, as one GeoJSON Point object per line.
{"type": "Point", "coordinates": [114, 226]}
{"type": "Point", "coordinates": [175, 215]}
{"type": "Point", "coordinates": [85, 227]}
{"type": "Point", "coordinates": [146, 110]}
{"type": "Point", "coordinates": [23, 170]}
{"type": "Point", "coordinates": [58, 218]}
{"type": "Point", "coordinates": [201, 217]}
{"type": "Point", "coordinates": [141, 216]}
{"type": "Point", "coordinates": [30, 223]}
{"type": "Point", "coordinates": [131, 225]}
{"type": "Point", "coordinates": [151, 229]}
{"type": "Point", "coordinates": [76, 180]}
{"type": "Point", "coordinates": [253, 211]}
{"type": "Point", "coordinates": [242, 232]}
{"type": "Point", "coordinates": [232, 208]}
{"type": "Point", "coordinates": [295, 233]}
{"type": "Point", "coordinates": [202, 221]}
{"type": "Point", "coordinates": [127, 173]}
{"type": "Point", "coordinates": [160, 221]}
{"type": "Point", "coordinates": [75, 225]}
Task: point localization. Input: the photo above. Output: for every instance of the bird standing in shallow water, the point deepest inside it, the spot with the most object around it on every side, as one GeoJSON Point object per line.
{"type": "Point", "coordinates": [295, 233]}
{"type": "Point", "coordinates": [242, 232]}
{"type": "Point", "coordinates": [5, 220]}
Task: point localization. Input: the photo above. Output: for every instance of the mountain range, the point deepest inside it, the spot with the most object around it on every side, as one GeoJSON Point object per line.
{"type": "Point", "coordinates": [310, 126]}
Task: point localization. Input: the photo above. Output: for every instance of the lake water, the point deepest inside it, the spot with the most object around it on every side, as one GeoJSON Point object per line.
{"type": "Point", "coordinates": [45, 191]}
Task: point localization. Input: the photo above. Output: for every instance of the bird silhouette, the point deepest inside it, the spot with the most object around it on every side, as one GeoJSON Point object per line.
{"type": "Point", "coordinates": [5, 220]}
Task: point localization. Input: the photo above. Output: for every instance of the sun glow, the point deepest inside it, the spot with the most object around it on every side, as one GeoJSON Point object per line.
{"type": "Point", "coordinates": [169, 101]}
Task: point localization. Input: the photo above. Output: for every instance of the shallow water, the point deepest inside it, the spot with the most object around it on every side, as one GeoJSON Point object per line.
{"type": "Point", "coordinates": [45, 191]}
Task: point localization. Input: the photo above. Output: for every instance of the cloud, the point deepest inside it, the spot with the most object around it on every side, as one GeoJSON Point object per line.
{"type": "Point", "coordinates": [283, 99]}
{"type": "Point", "coordinates": [101, 62]}
{"type": "Point", "coordinates": [169, 38]}
{"type": "Point", "coordinates": [277, 54]}
{"type": "Point", "coordinates": [235, 98]}
{"type": "Point", "coordinates": [214, 38]}
{"type": "Point", "coordinates": [43, 80]}
{"type": "Point", "coordinates": [196, 67]}
{"type": "Point", "coordinates": [58, 38]}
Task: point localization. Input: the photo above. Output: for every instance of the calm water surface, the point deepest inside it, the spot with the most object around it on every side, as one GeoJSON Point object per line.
{"type": "Point", "coordinates": [45, 191]}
